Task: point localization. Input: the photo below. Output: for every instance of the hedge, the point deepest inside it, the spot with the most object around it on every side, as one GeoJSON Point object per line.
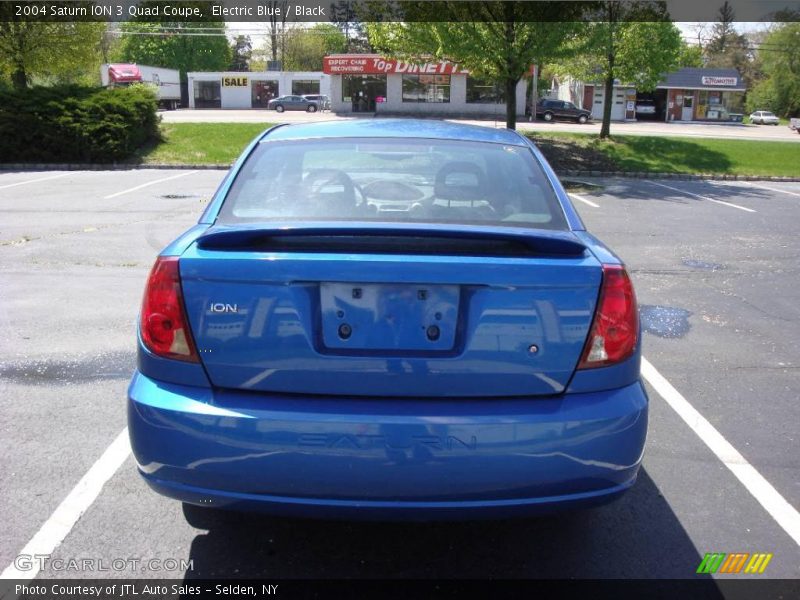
{"type": "Point", "coordinates": [75, 124]}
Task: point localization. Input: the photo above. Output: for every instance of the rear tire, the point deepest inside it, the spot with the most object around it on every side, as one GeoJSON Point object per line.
{"type": "Point", "coordinates": [311, 108]}
{"type": "Point", "coordinates": [279, 108]}
{"type": "Point", "coordinates": [548, 117]}
{"type": "Point", "coordinates": [582, 119]}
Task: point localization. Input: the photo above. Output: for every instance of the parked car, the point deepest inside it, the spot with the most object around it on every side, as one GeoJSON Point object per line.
{"type": "Point", "coordinates": [283, 103]}
{"type": "Point", "coordinates": [323, 102]}
{"type": "Point", "coordinates": [645, 108]}
{"type": "Point", "coordinates": [424, 330]}
{"type": "Point", "coordinates": [795, 124]}
{"type": "Point", "coordinates": [551, 110]}
{"type": "Point", "coordinates": [764, 117]}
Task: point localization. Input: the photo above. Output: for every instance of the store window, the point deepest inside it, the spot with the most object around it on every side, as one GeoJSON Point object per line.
{"type": "Point", "coordinates": [426, 88]}
{"type": "Point", "coordinates": [363, 91]}
{"type": "Point", "coordinates": [207, 94]}
{"type": "Point", "coordinates": [483, 91]}
{"type": "Point", "coordinates": [301, 87]}
{"type": "Point", "coordinates": [716, 105]}
{"type": "Point", "coordinates": [263, 92]}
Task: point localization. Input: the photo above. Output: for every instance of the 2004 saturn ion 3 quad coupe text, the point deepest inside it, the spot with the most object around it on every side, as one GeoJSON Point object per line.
{"type": "Point", "coordinates": [389, 319]}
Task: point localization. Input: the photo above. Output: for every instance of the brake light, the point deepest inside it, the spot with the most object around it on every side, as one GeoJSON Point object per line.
{"type": "Point", "coordinates": [163, 324]}
{"type": "Point", "coordinates": [615, 328]}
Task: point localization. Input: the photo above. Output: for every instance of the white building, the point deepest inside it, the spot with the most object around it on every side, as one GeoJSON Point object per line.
{"type": "Point", "coordinates": [591, 97]}
{"type": "Point", "coordinates": [232, 89]}
{"type": "Point", "coordinates": [371, 83]}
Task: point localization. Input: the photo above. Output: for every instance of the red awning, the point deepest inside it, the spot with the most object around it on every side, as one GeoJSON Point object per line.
{"type": "Point", "coordinates": [124, 73]}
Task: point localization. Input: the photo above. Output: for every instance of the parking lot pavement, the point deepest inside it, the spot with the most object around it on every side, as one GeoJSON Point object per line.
{"type": "Point", "coordinates": [720, 311]}
{"type": "Point", "coordinates": [654, 128]}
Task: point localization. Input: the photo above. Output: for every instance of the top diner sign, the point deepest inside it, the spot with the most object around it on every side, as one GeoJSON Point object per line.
{"type": "Point", "coordinates": [720, 81]}
{"type": "Point", "coordinates": [375, 65]}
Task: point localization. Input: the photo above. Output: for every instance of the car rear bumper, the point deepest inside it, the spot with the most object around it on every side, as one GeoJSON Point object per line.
{"type": "Point", "coordinates": [386, 458]}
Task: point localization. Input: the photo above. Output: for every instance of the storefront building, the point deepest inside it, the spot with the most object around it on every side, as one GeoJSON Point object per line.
{"type": "Point", "coordinates": [688, 94]}
{"type": "Point", "coordinates": [703, 95]}
{"type": "Point", "coordinates": [252, 89]}
{"type": "Point", "coordinates": [371, 83]}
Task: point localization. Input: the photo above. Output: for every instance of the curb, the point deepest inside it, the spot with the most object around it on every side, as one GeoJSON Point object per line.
{"type": "Point", "coordinates": [105, 166]}
{"type": "Point", "coordinates": [218, 167]}
{"type": "Point", "coordinates": [684, 176]}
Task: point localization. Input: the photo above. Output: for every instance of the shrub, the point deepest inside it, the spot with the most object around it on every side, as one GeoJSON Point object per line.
{"type": "Point", "coordinates": [75, 124]}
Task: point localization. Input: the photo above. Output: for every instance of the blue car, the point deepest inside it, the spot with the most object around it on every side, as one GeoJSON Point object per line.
{"type": "Point", "coordinates": [389, 319]}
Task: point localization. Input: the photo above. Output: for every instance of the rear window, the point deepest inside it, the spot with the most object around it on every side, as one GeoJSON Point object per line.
{"type": "Point", "coordinates": [435, 181]}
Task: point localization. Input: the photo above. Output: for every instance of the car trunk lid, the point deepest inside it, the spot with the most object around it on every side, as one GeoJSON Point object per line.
{"type": "Point", "coordinates": [390, 310]}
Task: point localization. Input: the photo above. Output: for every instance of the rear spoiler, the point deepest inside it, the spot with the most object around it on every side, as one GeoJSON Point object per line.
{"type": "Point", "coordinates": [392, 238]}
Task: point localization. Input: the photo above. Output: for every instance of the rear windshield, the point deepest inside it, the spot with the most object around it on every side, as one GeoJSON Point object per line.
{"type": "Point", "coordinates": [433, 181]}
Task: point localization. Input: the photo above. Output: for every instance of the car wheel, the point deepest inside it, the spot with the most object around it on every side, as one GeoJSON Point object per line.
{"type": "Point", "coordinates": [279, 108]}
{"type": "Point", "coordinates": [311, 108]}
{"type": "Point", "coordinates": [548, 116]}
{"type": "Point", "coordinates": [582, 119]}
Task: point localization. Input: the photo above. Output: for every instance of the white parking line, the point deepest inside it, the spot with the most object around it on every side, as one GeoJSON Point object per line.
{"type": "Point", "coordinates": [27, 181]}
{"type": "Point", "coordinates": [731, 204]}
{"type": "Point", "coordinates": [771, 189]}
{"type": "Point", "coordinates": [61, 522]}
{"type": "Point", "coordinates": [761, 489]}
{"type": "Point", "coordinates": [148, 184]}
{"type": "Point", "coordinates": [584, 200]}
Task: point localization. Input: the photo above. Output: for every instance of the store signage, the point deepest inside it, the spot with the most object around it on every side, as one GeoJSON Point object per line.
{"type": "Point", "coordinates": [732, 81]}
{"type": "Point", "coordinates": [234, 82]}
{"type": "Point", "coordinates": [375, 65]}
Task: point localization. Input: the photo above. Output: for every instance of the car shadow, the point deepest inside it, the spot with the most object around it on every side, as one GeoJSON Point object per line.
{"type": "Point", "coordinates": [646, 190]}
{"type": "Point", "coordinates": [637, 536]}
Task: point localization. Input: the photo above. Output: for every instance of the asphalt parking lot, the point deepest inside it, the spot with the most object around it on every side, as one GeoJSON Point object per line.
{"type": "Point", "coordinates": [717, 272]}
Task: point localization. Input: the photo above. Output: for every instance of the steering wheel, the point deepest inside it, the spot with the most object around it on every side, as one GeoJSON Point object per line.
{"type": "Point", "coordinates": [316, 181]}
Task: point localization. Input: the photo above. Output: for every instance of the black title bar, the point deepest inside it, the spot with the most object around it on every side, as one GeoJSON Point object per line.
{"type": "Point", "coordinates": [295, 11]}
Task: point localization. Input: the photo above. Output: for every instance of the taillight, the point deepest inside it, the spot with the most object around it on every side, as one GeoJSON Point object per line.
{"type": "Point", "coordinates": [615, 328]}
{"type": "Point", "coordinates": [163, 324]}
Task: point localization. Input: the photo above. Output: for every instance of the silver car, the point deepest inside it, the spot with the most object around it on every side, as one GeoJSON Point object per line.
{"type": "Point", "coordinates": [763, 117]}
{"type": "Point", "coordinates": [292, 103]}
{"type": "Point", "coordinates": [323, 102]}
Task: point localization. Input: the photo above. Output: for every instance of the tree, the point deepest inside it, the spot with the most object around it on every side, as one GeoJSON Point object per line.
{"type": "Point", "coordinates": [304, 48]}
{"type": "Point", "coordinates": [727, 48]}
{"type": "Point", "coordinates": [723, 33]}
{"type": "Point", "coordinates": [347, 18]}
{"type": "Point", "coordinates": [632, 42]}
{"type": "Point", "coordinates": [498, 41]}
{"type": "Point", "coordinates": [780, 58]}
{"type": "Point", "coordinates": [182, 45]}
{"type": "Point", "coordinates": [58, 51]}
{"type": "Point", "coordinates": [279, 10]}
{"type": "Point", "coordinates": [242, 51]}
{"type": "Point", "coordinates": [690, 55]}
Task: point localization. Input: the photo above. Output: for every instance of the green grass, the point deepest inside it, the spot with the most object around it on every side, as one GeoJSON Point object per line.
{"type": "Point", "coordinates": [671, 154]}
{"type": "Point", "coordinates": [201, 143]}
{"type": "Point", "coordinates": [221, 143]}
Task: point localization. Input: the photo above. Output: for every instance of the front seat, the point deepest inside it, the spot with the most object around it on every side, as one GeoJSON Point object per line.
{"type": "Point", "coordinates": [461, 190]}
